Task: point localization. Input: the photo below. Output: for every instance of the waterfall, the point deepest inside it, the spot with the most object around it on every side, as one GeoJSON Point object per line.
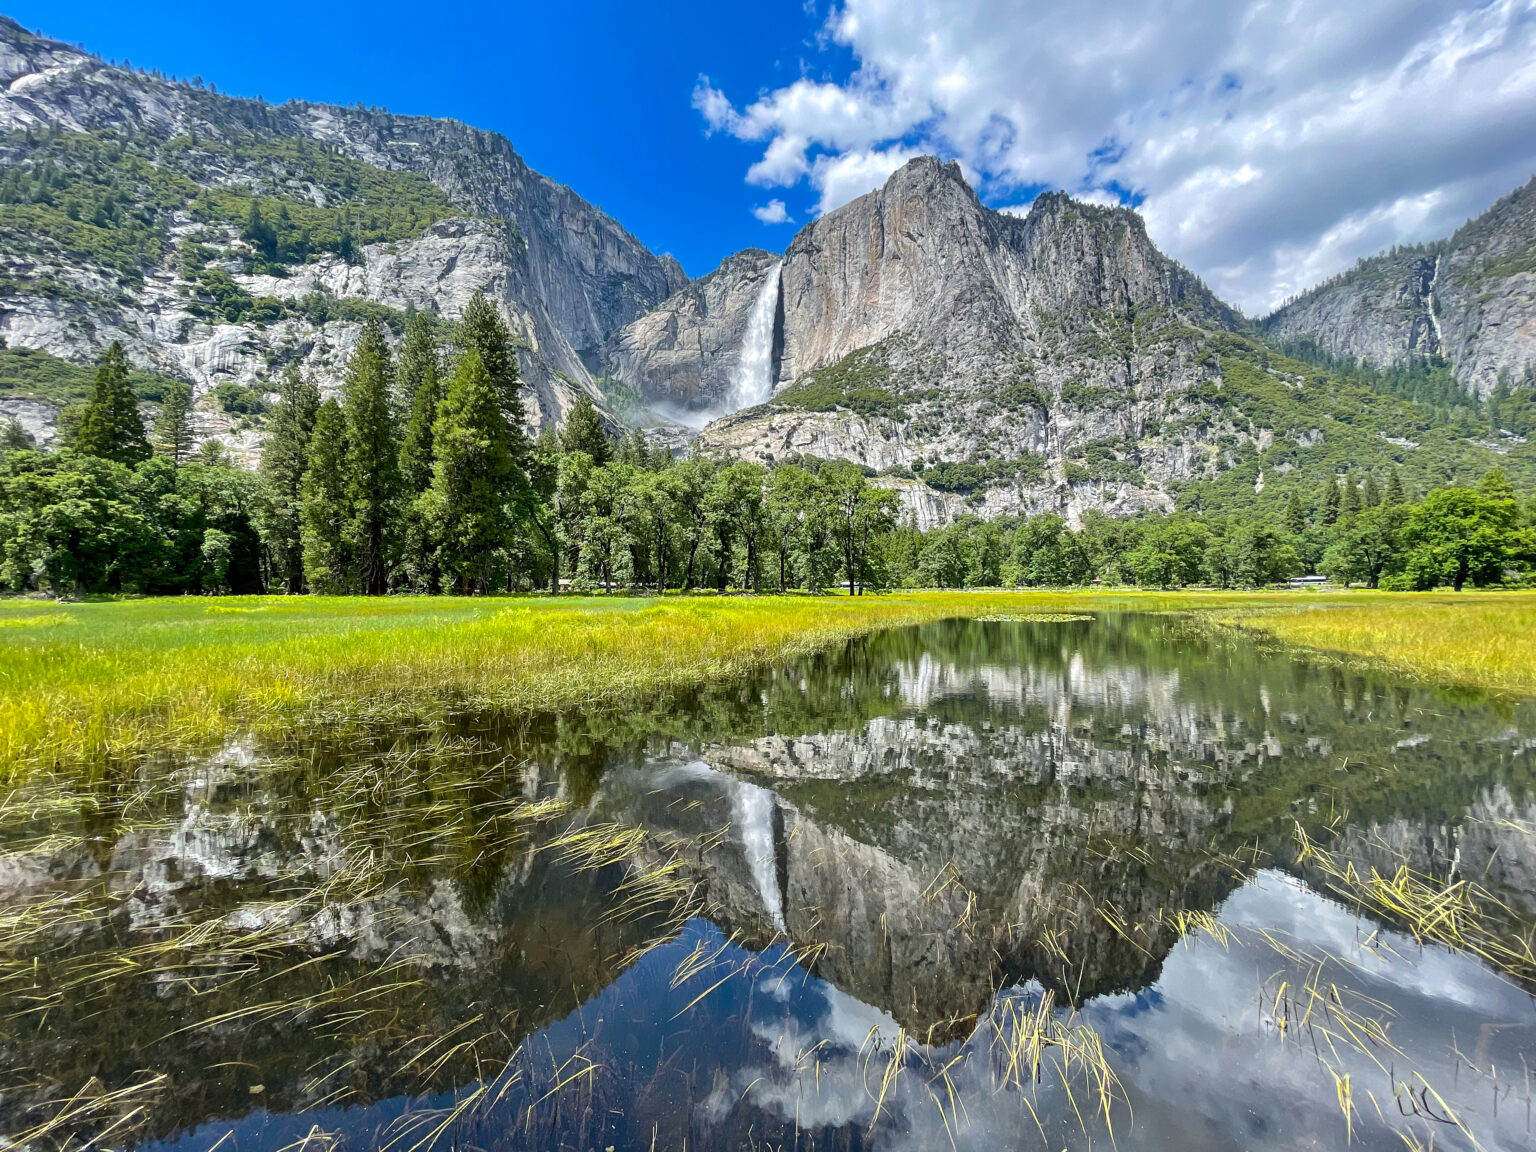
{"type": "Point", "coordinates": [752, 811]}
{"type": "Point", "coordinates": [752, 382]}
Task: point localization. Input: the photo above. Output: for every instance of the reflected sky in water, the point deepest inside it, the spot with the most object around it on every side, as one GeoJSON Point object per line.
{"type": "Point", "coordinates": [829, 906]}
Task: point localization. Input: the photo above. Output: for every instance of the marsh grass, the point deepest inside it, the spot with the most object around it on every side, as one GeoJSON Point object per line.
{"type": "Point", "coordinates": [86, 685]}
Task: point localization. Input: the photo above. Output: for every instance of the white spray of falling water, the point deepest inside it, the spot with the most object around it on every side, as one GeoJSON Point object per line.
{"type": "Point", "coordinates": [752, 382]}
{"type": "Point", "coordinates": [752, 811]}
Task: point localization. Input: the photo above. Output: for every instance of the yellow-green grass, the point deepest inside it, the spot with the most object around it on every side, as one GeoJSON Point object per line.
{"type": "Point", "coordinates": [1483, 640]}
{"type": "Point", "coordinates": [88, 683]}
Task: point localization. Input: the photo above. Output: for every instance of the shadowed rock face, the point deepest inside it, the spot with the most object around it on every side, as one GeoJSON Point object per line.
{"type": "Point", "coordinates": [1470, 299]}
{"type": "Point", "coordinates": [682, 354]}
{"type": "Point", "coordinates": [565, 274]}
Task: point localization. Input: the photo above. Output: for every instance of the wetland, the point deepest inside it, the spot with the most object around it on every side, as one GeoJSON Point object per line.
{"type": "Point", "coordinates": [1060, 880]}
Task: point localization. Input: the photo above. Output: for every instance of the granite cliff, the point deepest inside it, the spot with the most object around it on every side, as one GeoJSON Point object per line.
{"type": "Point", "coordinates": [1052, 356]}
{"type": "Point", "coordinates": [425, 212]}
{"type": "Point", "coordinates": [1469, 299]}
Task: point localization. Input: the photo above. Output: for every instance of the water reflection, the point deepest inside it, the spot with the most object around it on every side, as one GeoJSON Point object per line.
{"type": "Point", "coordinates": [989, 884]}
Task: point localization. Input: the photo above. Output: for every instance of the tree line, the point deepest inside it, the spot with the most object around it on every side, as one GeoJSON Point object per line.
{"type": "Point", "coordinates": [420, 477]}
{"type": "Point", "coordinates": [1353, 531]}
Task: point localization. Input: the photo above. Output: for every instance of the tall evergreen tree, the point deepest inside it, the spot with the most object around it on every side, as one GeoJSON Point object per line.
{"type": "Point", "coordinates": [483, 329]}
{"type": "Point", "coordinates": [173, 426]}
{"type": "Point", "coordinates": [1330, 508]}
{"type": "Point", "coordinates": [373, 461]}
{"type": "Point", "coordinates": [1370, 494]}
{"type": "Point", "coordinates": [583, 432]}
{"type": "Point", "coordinates": [110, 425]}
{"type": "Point", "coordinates": [420, 381]}
{"type": "Point", "coordinates": [1350, 504]}
{"type": "Point", "coordinates": [470, 479]}
{"type": "Point", "coordinates": [323, 505]}
{"type": "Point", "coordinates": [1394, 495]}
{"type": "Point", "coordinates": [284, 460]}
{"type": "Point", "coordinates": [1295, 518]}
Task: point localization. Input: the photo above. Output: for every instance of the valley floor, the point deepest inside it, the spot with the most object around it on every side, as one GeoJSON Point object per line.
{"type": "Point", "coordinates": [84, 685]}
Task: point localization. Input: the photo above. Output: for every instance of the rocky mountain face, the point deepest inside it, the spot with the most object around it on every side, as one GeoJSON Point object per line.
{"type": "Point", "coordinates": [1470, 299]}
{"type": "Point", "coordinates": [428, 211]}
{"type": "Point", "coordinates": [1052, 356]}
{"type": "Point", "coordinates": [687, 352]}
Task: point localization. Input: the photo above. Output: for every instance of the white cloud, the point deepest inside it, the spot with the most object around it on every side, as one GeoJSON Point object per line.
{"type": "Point", "coordinates": [841, 177]}
{"type": "Point", "coordinates": [1271, 143]}
{"type": "Point", "coordinates": [773, 212]}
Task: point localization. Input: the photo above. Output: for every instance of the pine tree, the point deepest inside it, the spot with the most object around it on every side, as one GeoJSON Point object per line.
{"type": "Point", "coordinates": [1351, 501]}
{"type": "Point", "coordinates": [421, 386]}
{"type": "Point", "coordinates": [483, 329]}
{"type": "Point", "coordinates": [110, 425]}
{"type": "Point", "coordinates": [173, 426]}
{"type": "Point", "coordinates": [421, 383]}
{"type": "Point", "coordinates": [284, 460]}
{"type": "Point", "coordinates": [1371, 495]}
{"type": "Point", "coordinates": [583, 432]}
{"type": "Point", "coordinates": [373, 461]}
{"type": "Point", "coordinates": [1394, 496]}
{"type": "Point", "coordinates": [1295, 518]}
{"type": "Point", "coordinates": [471, 476]}
{"type": "Point", "coordinates": [323, 504]}
{"type": "Point", "coordinates": [1330, 509]}
{"type": "Point", "coordinates": [14, 438]}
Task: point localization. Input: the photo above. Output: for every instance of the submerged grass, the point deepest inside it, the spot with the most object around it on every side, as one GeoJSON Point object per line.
{"type": "Point", "coordinates": [86, 684]}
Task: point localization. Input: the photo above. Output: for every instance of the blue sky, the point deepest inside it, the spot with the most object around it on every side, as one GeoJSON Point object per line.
{"type": "Point", "coordinates": [1268, 144]}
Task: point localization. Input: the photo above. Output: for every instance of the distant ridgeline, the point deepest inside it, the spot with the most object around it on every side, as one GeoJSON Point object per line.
{"type": "Point", "coordinates": [237, 354]}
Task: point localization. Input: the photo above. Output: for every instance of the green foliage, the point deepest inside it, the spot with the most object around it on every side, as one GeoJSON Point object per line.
{"type": "Point", "coordinates": [1461, 535]}
{"type": "Point", "coordinates": [72, 524]}
{"type": "Point", "coordinates": [482, 329]}
{"type": "Point", "coordinates": [1109, 461]}
{"type": "Point", "coordinates": [240, 399]}
{"type": "Point", "coordinates": [858, 382]}
{"type": "Point", "coordinates": [978, 472]}
{"type": "Point", "coordinates": [323, 504]}
{"type": "Point", "coordinates": [372, 475]}
{"type": "Point", "coordinates": [39, 375]}
{"type": "Point", "coordinates": [106, 199]}
{"type": "Point", "coordinates": [173, 425]}
{"type": "Point", "coordinates": [110, 424]}
{"type": "Point", "coordinates": [284, 461]}
{"type": "Point", "coordinates": [1327, 424]}
{"type": "Point", "coordinates": [1427, 381]}
{"type": "Point", "coordinates": [1512, 406]}
{"type": "Point", "coordinates": [1020, 394]}
{"type": "Point", "coordinates": [474, 470]}
{"type": "Point", "coordinates": [584, 432]}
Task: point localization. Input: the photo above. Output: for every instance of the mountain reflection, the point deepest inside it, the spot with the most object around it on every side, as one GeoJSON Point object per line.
{"type": "Point", "coordinates": [904, 839]}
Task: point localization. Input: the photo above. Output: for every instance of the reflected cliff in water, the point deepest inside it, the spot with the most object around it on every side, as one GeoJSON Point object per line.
{"type": "Point", "coordinates": [837, 903]}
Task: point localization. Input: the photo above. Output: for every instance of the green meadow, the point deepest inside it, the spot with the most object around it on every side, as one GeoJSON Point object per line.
{"type": "Point", "coordinates": [85, 684]}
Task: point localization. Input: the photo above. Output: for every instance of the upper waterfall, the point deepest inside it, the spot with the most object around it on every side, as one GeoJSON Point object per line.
{"type": "Point", "coordinates": [752, 381]}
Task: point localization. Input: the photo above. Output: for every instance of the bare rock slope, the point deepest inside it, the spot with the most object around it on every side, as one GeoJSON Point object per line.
{"type": "Point", "coordinates": [565, 274]}
{"type": "Point", "coordinates": [1470, 299]}
{"type": "Point", "coordinates": [982, 362]}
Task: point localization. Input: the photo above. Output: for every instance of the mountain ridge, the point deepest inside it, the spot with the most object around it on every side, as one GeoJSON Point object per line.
{"type": "Point", "coordinates": [1468, 299]}
{"type": "Point", "coordinates": [565, 273]}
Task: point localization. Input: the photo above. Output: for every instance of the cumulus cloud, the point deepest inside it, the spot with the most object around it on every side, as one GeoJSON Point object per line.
{"type": "Point", "coordinates": [1268, 144]}
{"type": "Point", "coordinates": [773, 212]}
